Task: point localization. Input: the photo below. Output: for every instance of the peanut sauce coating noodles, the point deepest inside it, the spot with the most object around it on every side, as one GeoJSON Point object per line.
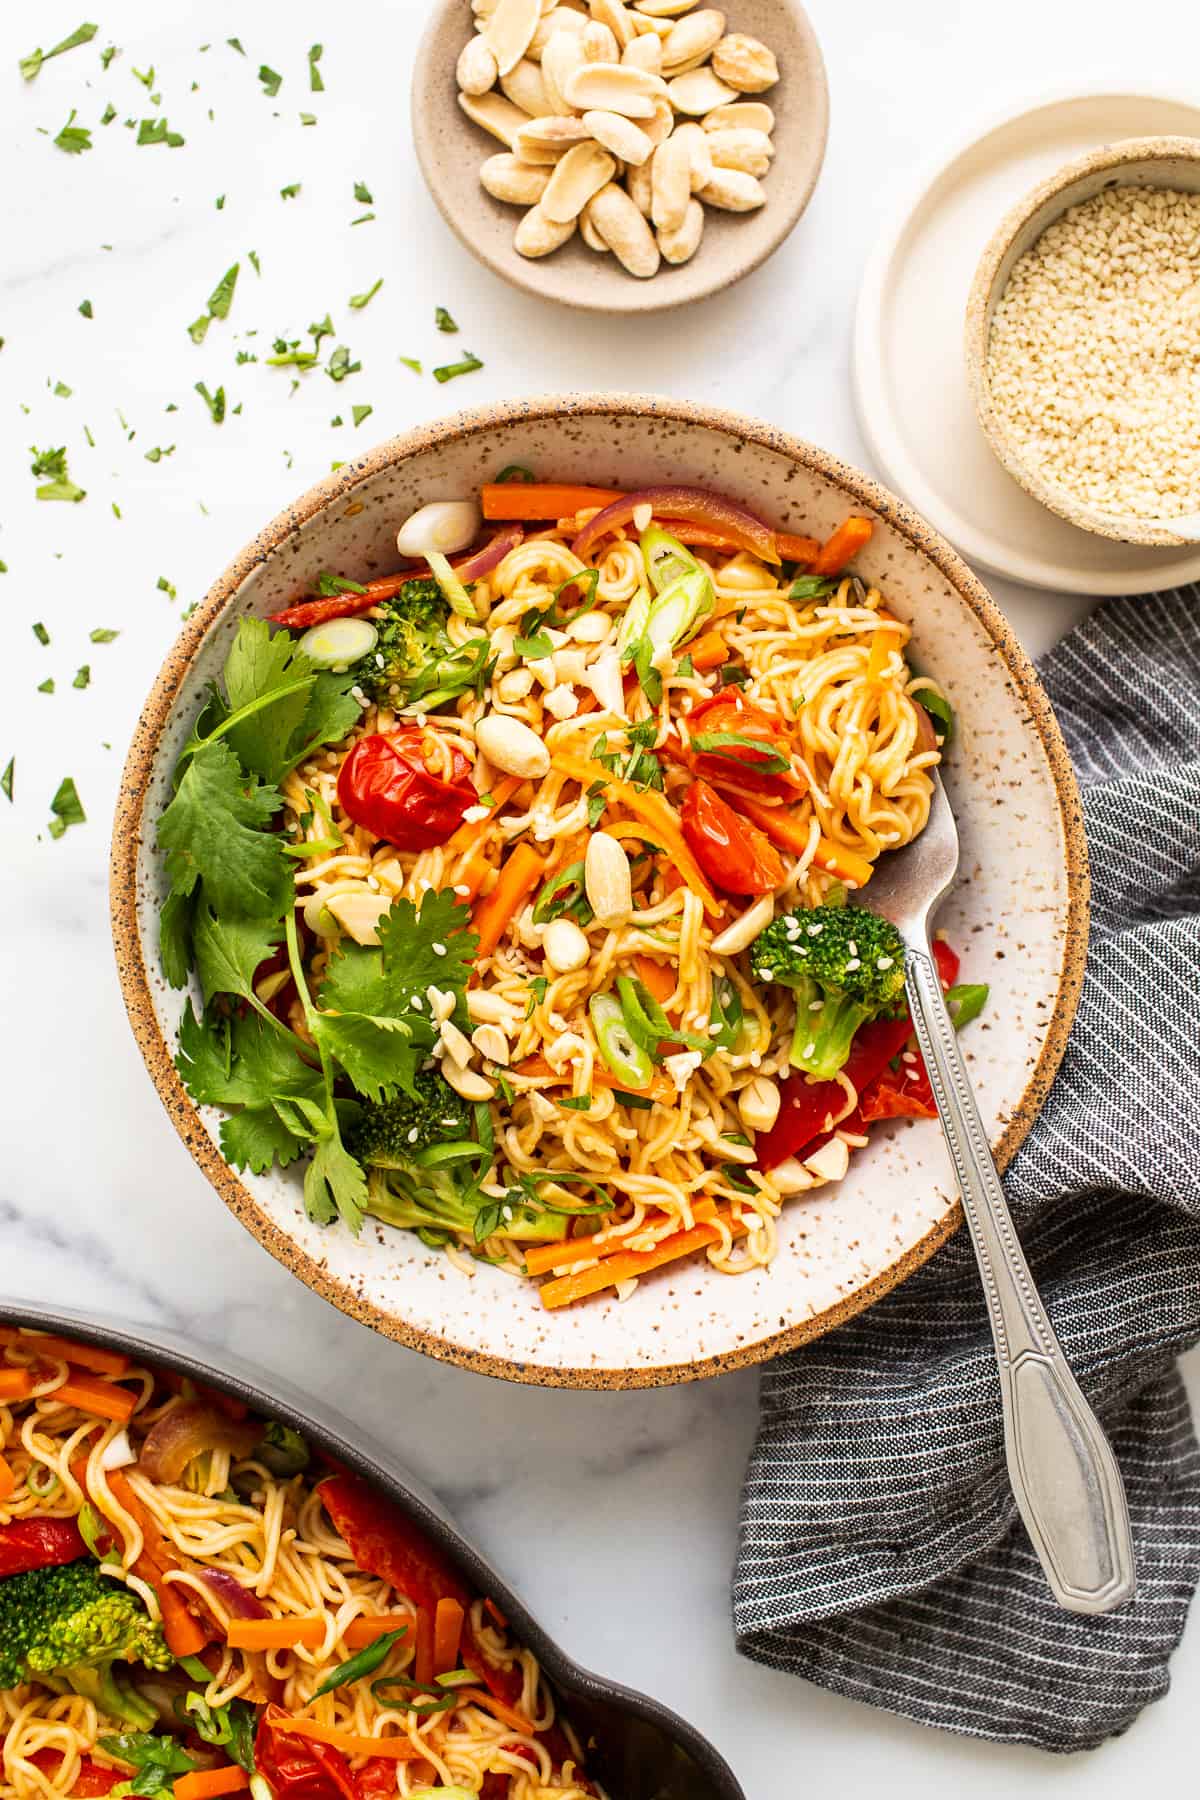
{"type": "Point", "coordinates": [559, 957]}
{"type": "Point", "coordinates": [193, 1603]}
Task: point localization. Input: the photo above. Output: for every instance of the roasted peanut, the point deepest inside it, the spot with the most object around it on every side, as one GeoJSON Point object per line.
{"type": "Point", "coordinates": [583, 171]}
{"type": "Point", "coordinates": [697, 92]}
{"type": "Point", "coordinates": [699, 156]}
{"type": "Point", "coordinates": [670, 184]}
{"type": "Point", "coordinates": [749, 151]}
{"type": "Point", "coordinates": [691, 41]}
{"type": "Point", "coordinates": [624, 230]}
{"type": "Point", "coordinates": [477, 69]}
{"type": "Point", "coordinates": [620, 136]}
{"type": "Point", "coordinates": [732, 191]}
{"type": "Point", "coordinates": [599, 44]}
{"type": "Point", "coordinates": [681, 245]}
{"type": "Point", "coordinates": [525, 88]}
{"type": "Point", "coordinates": [506, 177]}
{"type": "Point", "coordinates": [745, 63]}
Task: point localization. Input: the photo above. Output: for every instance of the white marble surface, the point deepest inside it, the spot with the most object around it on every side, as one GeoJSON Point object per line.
{"type": "Point", "coordinates": [99, 1202]}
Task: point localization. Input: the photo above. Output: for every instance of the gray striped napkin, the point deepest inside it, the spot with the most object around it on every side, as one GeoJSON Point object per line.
{"type": "Point", "coordinates": [880, 1553]}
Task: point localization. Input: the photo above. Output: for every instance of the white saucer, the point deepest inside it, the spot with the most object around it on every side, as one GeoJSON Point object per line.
{"type": "Point", "coordinates": [909, 371]}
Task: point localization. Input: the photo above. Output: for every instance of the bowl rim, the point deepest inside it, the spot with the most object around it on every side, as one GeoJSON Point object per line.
{"type": "Point", "coordinates": [142, 756]}
{"type": "Point", "coordinates": [984, 296]}
{"type": "Point", "coordinates": [276, 1397]}
{"type": "Point", "coordinates": [788, 205]}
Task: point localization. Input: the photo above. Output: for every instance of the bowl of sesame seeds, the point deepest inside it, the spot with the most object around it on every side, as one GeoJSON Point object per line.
{"type": "Point", "coordinates": [1083, 341]}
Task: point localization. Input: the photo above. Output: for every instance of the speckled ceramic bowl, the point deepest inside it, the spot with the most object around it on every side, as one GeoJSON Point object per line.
{"type": "Point", "coordinates": [450, 149]}
{"type": "Point", "coordinates": [638, 1747]}
{"type": "Point", "coordinates": [1148, 162]}
{"type": "Point", "coordinates": [1019, 913]}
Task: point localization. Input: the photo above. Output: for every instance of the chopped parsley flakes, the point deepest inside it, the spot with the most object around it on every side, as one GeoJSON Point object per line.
{"type": "Point", "coordinates": [358, 301]}
{"type": "Point", "coordinates": [270, 80]}
{"type": "Point", "coordinates": [448, 371]}
{"type": "Point", "coordinates": [316, 85]}
{"type": "Point", "coordinates": [53, 463]}
{"type": "Point", "coordinates": [30, 65]}
{"type": "Point", "coordinates": [214, 402]}
{"type": "Point", "coordinates": [66, 807]}
{"type": "Point", "coordinates": [74, 139]}
{"type": "Point", "coordinates": [443, 321]}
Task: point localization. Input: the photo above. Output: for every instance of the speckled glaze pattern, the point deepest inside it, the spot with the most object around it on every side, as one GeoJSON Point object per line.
{"type": "Point", "coordinates": [1164, 162]}
{"type": "Point", "coordinates": [450, 150]}
{"type": "Point", "coordinates": [639, 1747]}
{"type": "Point", "coordinates": [1019, 912]}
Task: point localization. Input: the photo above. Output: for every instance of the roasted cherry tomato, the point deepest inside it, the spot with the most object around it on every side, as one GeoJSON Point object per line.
{"type": "Point", "coordinates": [728, 714]}
{"type": "Point", "coordinates": [39, 1544]}
{"type": "Point", "coordinates": [91, 1781]}
{"type": "Point", "coordinates": [386, 785]}
{"type": "Point", "coordinates": [735, 856]}
{"type": "Point", "coordinates": [298, 1768]}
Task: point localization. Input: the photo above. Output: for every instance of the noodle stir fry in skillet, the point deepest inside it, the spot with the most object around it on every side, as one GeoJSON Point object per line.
{"type": "Point", "coordinates": [191, 1603]}
{"type": "Point", "coordinates": [516, 886]}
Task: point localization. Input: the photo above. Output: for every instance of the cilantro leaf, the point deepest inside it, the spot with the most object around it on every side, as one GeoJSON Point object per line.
{"type": "Point", "coordinates": [443, 321]}
{"type": "Point", "coordinates": [363, 194]}
{"type": "Point", "coordinates": [212, 830]}
{"type": "Point", "coordinates": [30, 65]}
{"type": "Point", "coordinates": [316, 85]}
{"type": "Point", "coordinates": [375, 1052]}
{"type": "Point", "coordinates": [334, 1185]}
{"type": "Point", "coordinates": [6, 780]}
{"type": "Point", "coordinates": [74, 139]}
{"type": "Point", "coordinates": [175, 939]}
{"type": "Point", "coordinates": [358, 301]}
{"type": "Point", "coordinates": [66, 807]}
{"type": "Point", "coordinates": [257, 1138]}
{"type": "Point", "coordinates": [221, 298]}
{"type": "Point", "coordinates": [309, 707]}
{"type": "Point", "coordinates": [229, 951]}
{"type": "Point", "coordinates": [435, 947]}
{"type": "Point", "coordinates": [270, 80]}
{"type": "Point", "coordinates": [54, 464]}
{"type": "Point", "coordinates": [243, 1062]}
{"type": "Point", "coordinates": [214, 402]}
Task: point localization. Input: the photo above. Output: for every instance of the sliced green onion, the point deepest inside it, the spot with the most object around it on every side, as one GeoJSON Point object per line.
{"type": "Point", "coordinates": [939, 710]}
{"type": "Point", "coordinates": [563, 895]}
{"type": "Point", "coordinates": [515, 472]}
{"type": "Point", "coordinates": [966, 1001]}
{"type": "Point", "coordinates": [678, 610]}
{"type": "Point", "coordinates": [191, 1665]}
{"type": "Point", "coordinates": [665, 558]}
{"type": "Point", "coordinates": [365, 1663]}
{"type": "Point", "coordinates": [91, 1529]}
{"type": "Point", "coordinates": [626, 1059]}
{"type": "Point", "coordinates": [457, 597]}
{"type": "Point", "coordinates": [338, 643]}
{"type": "Point", "coordinates": [633, 625]}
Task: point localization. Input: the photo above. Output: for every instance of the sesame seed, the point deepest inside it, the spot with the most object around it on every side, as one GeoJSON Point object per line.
{"type": "Point", "coordinates": [413, 1135]}
{"type": "Point", "coordinates": [438, 949]}
{"type": "Point", "coordinates": [853, 962]}
{"type": "Point", "coordinates": [815, 930]}
{"type": "Point", "coordinates": [884, 962]}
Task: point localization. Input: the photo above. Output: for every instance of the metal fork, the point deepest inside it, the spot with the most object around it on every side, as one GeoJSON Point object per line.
{"type": "Point", "coordinates": [1065, 1478]}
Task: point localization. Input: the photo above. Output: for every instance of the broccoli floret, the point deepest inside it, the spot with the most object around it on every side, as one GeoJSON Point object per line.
{"type": "Point", "coordinates": [846, 966]}
{"type": "Point", "coordinates": [71, 1622]}
{"type": "Point", "coordinates": [413, 658]}
{"type": "Point", "coordinates": [435, 1201]}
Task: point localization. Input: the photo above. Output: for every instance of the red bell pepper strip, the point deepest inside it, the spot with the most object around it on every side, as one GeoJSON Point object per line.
{"type": "Point", "coordinates": [300, 1768]}
{"type": "Point", "coordinates": [384, 1543]}
{"type": "Point", "coordinates": [904, 1094]}
{"type": "Point", "coordinates": [91, 1781]}
{"type": "Point", "coordinates": [39, 1544]}
{"type": "Point", "coordinates": [807, 1106]}
{"type": "Point", "coordinates": [376, 1780]}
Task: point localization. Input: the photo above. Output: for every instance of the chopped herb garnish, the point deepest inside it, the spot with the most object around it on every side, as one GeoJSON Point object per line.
{"type": "Point", "coordinates": [220, 203]}
{"type": "Point", "coordinates": [363, 219]}
{"type": "Point", "coordinates": [6, 780]}
{"type": "Point", "coordinates": [103, 634]}
{"type": "Point", "coordinates": [290, 191]}
{"type": "Point", "coordinates": [577, 1103]}
{"type": "Point", "coordinates": [83, 676]}
{"type": "Point", "coordinates": [54, 464]}
{"type": "Point", "coordinates": [74, 138]}
{"type": "Point", "coordinates": [358, 301]}
{"type": "Point", "coordinates": [363, 193]}
{"type": "Point", "coordinates": [221, 298]}
{"type": "Point", "coordinates": [85, 307]}
{"type": "Point", "coordinates": [361, 413]}
{"type": "Point", "coordinates": [448, 371]}
{"type": "Point", "coordinates": [47, 686]}
{"type": "Point", "coordinates": [40, 633]}
{"type": "Point", "coordinates": [270, 80]}
{"type": "Point", "coordinates": [235, 44]}
{"type": "Point", "coordinates": [157, 454]}
{"type": "Point", "coordinates": [340, 365]}
{"type": "Point", "coordinates": [109, 114]}
{"type": "Point", "coordinates": [315, 83]}
{"type": "Point", "coordinates": [410, 362]}
{"type": "Point", "coordinates": [62, 390]}
{"type": "Point", "coordinates": [107, 54]}
{"type": "Point", "coordinates": [308, 118]}
{"type": "Point", "coordinates": [443, 321]}
{"type": "Point", "coordinates": [157, 131]}
{"type": "Point", "coordinates": [66, 807]}
{"type": "Point", "coordinates": [252, 259]}
{"type": "Point", "coordinates": [83, 34]}
{"type": "Point", "coordinates": [214, 402]}
{"type": "Point", "coordinates": [166, 587]}
{"type": "Point", "coordinates": [198, 329]}
{"type": "Point", "coordinates": [146, 76]}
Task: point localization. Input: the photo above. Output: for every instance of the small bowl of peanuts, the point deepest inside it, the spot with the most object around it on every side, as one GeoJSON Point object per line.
{"type": "Point", "coordinates": [1083, 341]}
{"type": "Point", "coordinates": [617, 157]}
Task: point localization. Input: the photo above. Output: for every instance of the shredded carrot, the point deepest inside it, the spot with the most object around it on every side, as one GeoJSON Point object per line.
{"type": "Point", "coordinates": [447, 1634]}
{"type": "Point", "coordinates": [708, 652]}
{"type": "Point", "coordinates": [8, 1480]}
{"type": "Point", "coordinates": [361, 1632]}
{"type": "Point", "coordinates": [15, 1384]}
{"type": "Point", "coordinates": [91, 1394]}
{"type": "Point", "coordinates": [401, 1749]}
{"type": "Point", "coordinates": [656, 977]}
{"type": "Point", "coordinates": [797, 549]}
{"type": "Point", "coordinates": [423, 1660]}
{"type": "Point", "coordinates": [518, 878]}
{"type": "Point", "coordinates": [540, 499]}
{"type": "Point", "coordinates": [540, 1259]}
{"type": "Point", "coordinates": [569, 1288]}
{"type": "Point", "coordinates": [276, 1634]}
{"type": "Point", "coordinates": [184, 1633]}
{"type": "Point", "coordinates": [508, 1715]}
{"type": "Point", "coordinates": [84, 1356]}
{"type": "Point", "coordinates": [653, 810]}
{"type": "Point", "coordinates": [849, 538]}
{"type": "Point", "coordinates": [472, 872]}
{"type": "Point", "coordinates": [660, 1086]}
{"type": "Point", "coordinates": [493, 1612]}
{"type": "Point", "coordinates": [882, 645]}
{"type": "Point", "coordinates": [790, 833]}
{"type": "Point", "coordinates": [206, 1784]}
{"type": "Point", "coordinates": [501, 794]}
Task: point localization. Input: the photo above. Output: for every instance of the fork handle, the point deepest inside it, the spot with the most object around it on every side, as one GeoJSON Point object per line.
{"type": "Point", "coordinates": [1064, 1475]}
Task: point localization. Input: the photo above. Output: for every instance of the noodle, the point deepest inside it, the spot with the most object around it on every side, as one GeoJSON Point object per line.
{"type": "Point", "coordinates": [230, 1515]}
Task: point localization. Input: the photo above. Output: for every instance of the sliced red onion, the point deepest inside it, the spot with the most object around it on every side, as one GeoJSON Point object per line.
{"type": "Point", "coordinates": [489, 558]}
{"type": "Point", "coordinates": [697, 505]}
{"type": "Point", "coordinates": [237, 1600]}
{"type": "Point", "coordinates": [186, 1431]}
